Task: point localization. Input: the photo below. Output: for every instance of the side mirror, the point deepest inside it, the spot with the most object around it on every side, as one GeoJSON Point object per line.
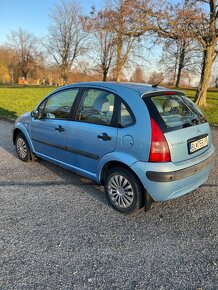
{"type": "Point", "coordinates": [36, 114]}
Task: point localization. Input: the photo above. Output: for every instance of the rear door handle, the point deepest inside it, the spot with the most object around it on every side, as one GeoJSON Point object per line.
{"type": "Point", "coordinates": [104, 137]}
{"type": "Point", "coordinates": [59, 128]}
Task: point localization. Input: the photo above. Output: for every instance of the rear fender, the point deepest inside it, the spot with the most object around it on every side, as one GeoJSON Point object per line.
{"type": "Point", "coordinates": [120, 157]}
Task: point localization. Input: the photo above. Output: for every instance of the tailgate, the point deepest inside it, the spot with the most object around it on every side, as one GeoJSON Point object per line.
{"type": "Point", "coordinates": [188, 142]}
{"type": "Point", "coordinates": [183, 124]}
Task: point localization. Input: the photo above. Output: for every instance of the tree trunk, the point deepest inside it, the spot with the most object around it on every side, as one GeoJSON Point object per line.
{"type": "Point", "coordinates": [201, 94]}
{"type": "Point", "coordinates": [119, 70]}
{"type": "Point", "coordinates": [119, 57]}
{"type": "Point", "coordinates": [104, 77]}
{"type": "Point", "coordinates": [181, 66]}
{"type": "Point", "coordinates": [119, 65]}
{"type": "Point", "coordinates": [64, 76]}
{"type": "Point", "coordinates": [105, 72]}
{"type": "Point", "coordinates": [65, 79]}
{"type": "Point", "coordinates": [24, 74]}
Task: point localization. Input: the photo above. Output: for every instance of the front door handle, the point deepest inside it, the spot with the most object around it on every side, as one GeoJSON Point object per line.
{"type": "Point", "coordinates": [59, 128]}
{"type": "Point", "coordinates": [104, 137]}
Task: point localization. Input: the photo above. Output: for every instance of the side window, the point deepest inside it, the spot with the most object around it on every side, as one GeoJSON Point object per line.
{"type": "Point", "coordinates": [126, 118]}
{"type": "Point", "coordinates": [96, 107]}
{"type": "Point", "coordinates": [58, 106]}
{"type": "Point", "coordinates": [41, 106]}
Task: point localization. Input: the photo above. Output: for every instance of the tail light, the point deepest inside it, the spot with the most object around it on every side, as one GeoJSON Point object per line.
{"type": "Point", "coordinates": [159, 151]}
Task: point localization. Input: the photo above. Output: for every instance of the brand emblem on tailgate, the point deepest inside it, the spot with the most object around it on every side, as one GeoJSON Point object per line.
{"type": "Point", "coordinates": [198, 131]}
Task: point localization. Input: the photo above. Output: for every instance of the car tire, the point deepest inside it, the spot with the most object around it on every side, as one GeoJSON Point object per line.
{"type": "Point", "coordinates": [22, 148]}
{"type": "Point", "coordinates": [123, 190]}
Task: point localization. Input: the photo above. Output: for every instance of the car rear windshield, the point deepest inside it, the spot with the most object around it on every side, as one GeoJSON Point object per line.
{"type": "Point", "coordinates": [177, 111]}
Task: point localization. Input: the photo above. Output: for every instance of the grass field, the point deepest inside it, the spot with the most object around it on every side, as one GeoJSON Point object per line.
{"type": "Point", "coordinates": [211, 112]}
{"type": "Point", "coordinates": [16, 100]}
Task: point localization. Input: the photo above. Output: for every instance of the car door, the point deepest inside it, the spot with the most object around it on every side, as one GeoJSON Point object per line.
{"type": "Point", "coordinates": [93, 133]}
{"type": "Point", "coordinates": [48, 131]}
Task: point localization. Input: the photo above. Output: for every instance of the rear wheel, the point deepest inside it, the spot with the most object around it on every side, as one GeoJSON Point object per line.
{"type": "Point", "coordinates": [22, 148]}
{"type": "Point", "coordinates": [123, 190]}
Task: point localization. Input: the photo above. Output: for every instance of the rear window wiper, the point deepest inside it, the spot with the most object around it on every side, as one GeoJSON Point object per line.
{"type": "Point", "coordinates": [195, 121]}
{"type": "Point", "coordinates": [192, 122]}
{"type": "Point", "coordinates": [187, 124]}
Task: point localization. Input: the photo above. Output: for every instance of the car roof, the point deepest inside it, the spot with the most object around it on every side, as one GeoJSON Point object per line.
{"type": "Point", "coordinates": [137, 87]}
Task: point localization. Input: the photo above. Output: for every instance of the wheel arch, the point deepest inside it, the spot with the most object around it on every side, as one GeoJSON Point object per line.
{"type": "Point", "coordinates": [115, 163]}
{"type": "Point", "coordinates": [20, 128]}
{"type": "Point", "coordinates": [15, 133]}
{"type": "Point", "coordinates": [146, 200]}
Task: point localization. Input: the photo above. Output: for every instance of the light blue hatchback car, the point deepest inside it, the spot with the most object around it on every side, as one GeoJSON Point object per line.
{"type": "Point", "coordinates": [143, 143]}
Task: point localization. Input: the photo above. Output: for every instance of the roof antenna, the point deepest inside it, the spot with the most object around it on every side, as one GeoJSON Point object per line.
{"type": "Point", "coordinates": [154, 86]}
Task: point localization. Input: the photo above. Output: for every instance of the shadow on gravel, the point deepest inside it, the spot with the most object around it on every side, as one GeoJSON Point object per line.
{"type": "Point", "coordinates": [6, 114]}
{"type": "Point", "coordinates": [70, 178]}
{"type": "Point", "coordinates": [34, 184]}
{"type": "Point", "coordinates": [64, 178]}
{"type": "Point", "coordinates": [6, 142]}
{"type": "Point", "coordinates": [209, 185]}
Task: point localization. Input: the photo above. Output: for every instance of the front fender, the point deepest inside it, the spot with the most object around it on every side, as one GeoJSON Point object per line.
{"type": "Point", "coordinates": [24, 127]}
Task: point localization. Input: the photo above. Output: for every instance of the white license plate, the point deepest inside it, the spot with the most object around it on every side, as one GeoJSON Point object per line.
{"type": "Point", "coordinates": [197, 145]}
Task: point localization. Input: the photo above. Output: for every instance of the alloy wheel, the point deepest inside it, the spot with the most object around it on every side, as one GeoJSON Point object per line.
{"type": "Point", "coordinates": [22, 149]}
{"type": "Point", "coordinates": [120, 191]}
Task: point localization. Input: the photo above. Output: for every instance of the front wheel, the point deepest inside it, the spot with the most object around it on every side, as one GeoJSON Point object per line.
{"type": "Point", "coordinates": [22, 148]}
{"type": "Point", "coordinates": [123, 190]}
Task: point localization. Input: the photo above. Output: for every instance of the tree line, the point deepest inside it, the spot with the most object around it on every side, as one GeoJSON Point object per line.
{"type": "Point", "coordinates": [118, 37]}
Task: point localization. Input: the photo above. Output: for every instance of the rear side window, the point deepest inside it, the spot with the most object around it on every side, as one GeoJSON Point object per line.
{"type": "Point", "coordinates": [126, 118]}
{"type": "Point", "coordinates": [177, 111]}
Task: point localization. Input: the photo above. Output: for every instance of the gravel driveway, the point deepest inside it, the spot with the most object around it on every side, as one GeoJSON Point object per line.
{"type": "Point", "coordinates": [57, 231]}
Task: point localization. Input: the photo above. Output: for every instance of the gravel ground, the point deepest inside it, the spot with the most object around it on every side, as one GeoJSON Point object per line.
{"type": "Point", "coordinates": [57, 231]}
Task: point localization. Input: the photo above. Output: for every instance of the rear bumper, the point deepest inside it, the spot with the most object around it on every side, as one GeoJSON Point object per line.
{"type": "Point", "coordinates": [164, 181]}
{"type": "Point", "coordinates": [179, 174]}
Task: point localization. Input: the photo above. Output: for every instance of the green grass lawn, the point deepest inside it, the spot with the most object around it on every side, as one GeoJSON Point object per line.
{"type": "Point", "coordinates": [211, 112]}
{"type": "Point", "coordinates": [14, 101]}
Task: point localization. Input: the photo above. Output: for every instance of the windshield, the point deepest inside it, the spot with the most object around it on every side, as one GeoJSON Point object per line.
{"type": "Point", "coordinates": [177, 111]}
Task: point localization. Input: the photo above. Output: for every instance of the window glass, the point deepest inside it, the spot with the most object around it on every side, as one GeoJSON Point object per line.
{"type": "Point", "coordinates": [177, 110]}
{"type": "Point", "coordinates": [58, 106]}
{"type": "Point", "coordinates": [125, 116]}
{"type": "Point", "coordinates": [97, 107]}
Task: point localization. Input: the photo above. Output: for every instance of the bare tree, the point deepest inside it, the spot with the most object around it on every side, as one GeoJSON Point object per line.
{"type": "Point", "coordinates": [120, 18]}
{"type": "Point", "coordinates": [104, 44]}
{"type": "Point", "coordinates": [155, 77]}
{"type": "Point", "coordinates": [216, 82]}
{"type": "Point", "coordinates": [6, 64]}
{"type": "Point", "coordinates": [107, 52]}
{"type": "Point", "coordinates": [180, 54]}
{"type": "Point", "coordinates": [206, 29]}
{"type": "Point", "coordinates": [138, 75]}
{"type": "Point", "coordinates": [66, 39]}
{"type": "Point", "coordinates": [190, 21]}
{"type": "Point", "coordinates": [214, 77]}
{"type": "Point", "coordinates": [25, 47]}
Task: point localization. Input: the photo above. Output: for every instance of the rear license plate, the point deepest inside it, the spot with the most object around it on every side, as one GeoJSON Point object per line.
{"type": "Point", "coordinates": [198, 144]}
